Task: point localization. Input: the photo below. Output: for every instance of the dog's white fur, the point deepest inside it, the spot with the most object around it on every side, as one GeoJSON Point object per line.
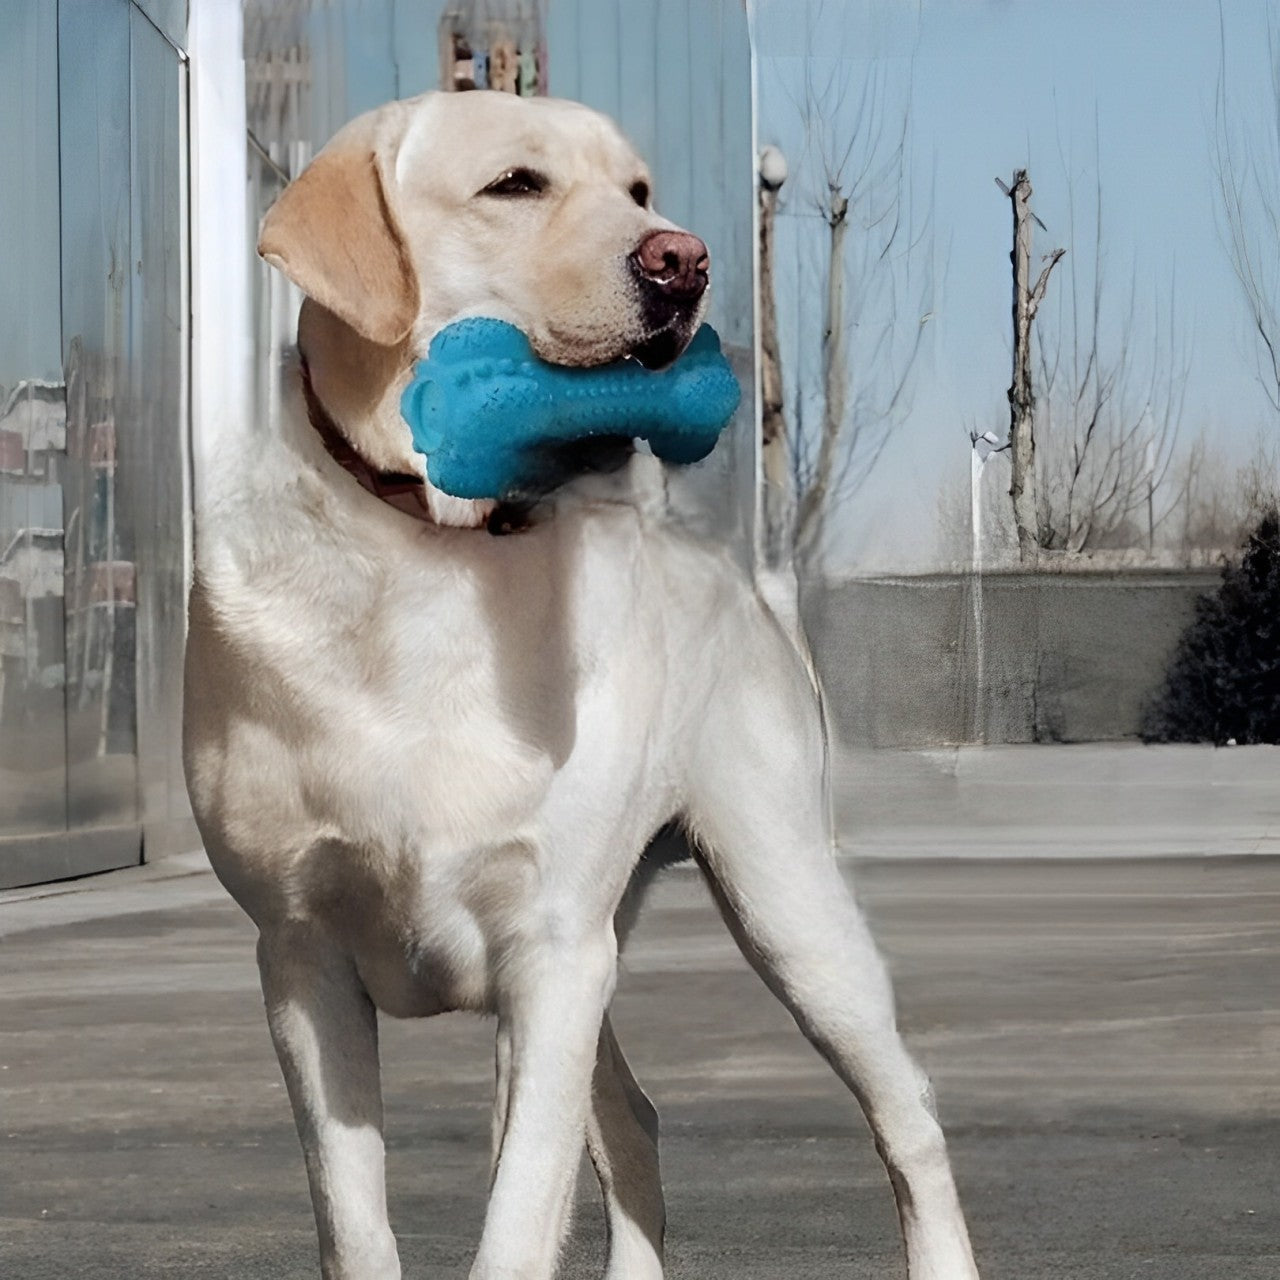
{"type": "Point", "coordinates": [426, 760]}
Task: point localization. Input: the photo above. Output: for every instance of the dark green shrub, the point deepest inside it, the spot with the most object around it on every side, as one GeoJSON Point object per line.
{"type": "Point", "coordinates": [1224, 679]}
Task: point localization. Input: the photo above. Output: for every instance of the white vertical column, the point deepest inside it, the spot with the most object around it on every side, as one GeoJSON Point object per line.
{"type": "Point", "coordinates": [221, 252]}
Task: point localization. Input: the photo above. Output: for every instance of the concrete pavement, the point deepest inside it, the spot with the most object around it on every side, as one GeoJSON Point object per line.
{"type": "Point", "coordinates": [1104, 1037]}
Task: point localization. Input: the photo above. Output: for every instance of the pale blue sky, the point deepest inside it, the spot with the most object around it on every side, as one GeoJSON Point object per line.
{"type": "Point", "coordinates": [1001, 84]}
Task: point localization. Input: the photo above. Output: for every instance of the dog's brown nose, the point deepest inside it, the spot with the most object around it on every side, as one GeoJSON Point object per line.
{"type": "Point", "coordinates": [675, 261]}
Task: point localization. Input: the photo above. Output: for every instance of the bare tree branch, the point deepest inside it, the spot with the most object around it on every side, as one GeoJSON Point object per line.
{"type": "Point", "coordinates": [1092, 449]}
{"type": "Point", "coordinates": [1247, 173]}
{"type": "Point", "coordinates": [874, 271]}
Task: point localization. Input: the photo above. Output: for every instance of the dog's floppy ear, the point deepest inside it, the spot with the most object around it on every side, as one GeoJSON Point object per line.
{"type": "Point", "coordinates": [334, 234]}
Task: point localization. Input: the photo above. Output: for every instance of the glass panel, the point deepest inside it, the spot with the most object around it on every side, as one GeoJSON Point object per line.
{"type": "Point", "coordinates": [153, 488]}
{"type": "Point", "coordinates": [310, 67]}
{"type": "Point", "coordinates": [97, 260]}
{"type": "Point", "coordinates": [686, 104]}
{"type": "Point", "coordinates": [32, 433]}
{"type": "Point", "coordinates": [94, 488]}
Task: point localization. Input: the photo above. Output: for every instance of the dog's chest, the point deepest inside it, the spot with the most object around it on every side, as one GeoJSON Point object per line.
{"type": "Point", "coordinates": [418, 740]}
{"type": "Point", "coordinates": [387, 724]}
{"type": "Point", "coordinates": [441, 703]}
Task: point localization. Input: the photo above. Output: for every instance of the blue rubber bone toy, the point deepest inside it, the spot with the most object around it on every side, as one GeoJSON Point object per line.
{"type": "Point", "coordinates": [484, 409]}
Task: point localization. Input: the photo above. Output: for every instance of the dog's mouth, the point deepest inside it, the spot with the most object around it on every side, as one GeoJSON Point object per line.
{"type": "Point", "coordinates": [659, 349]}
{"type": "Point", "coordinates": [655, 351]}
{"type": "Point", "coordinates": [663, 342]}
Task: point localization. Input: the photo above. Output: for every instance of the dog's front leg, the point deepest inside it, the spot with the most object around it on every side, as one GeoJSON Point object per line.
{"type": "Point", "coordinates": [622, 1139]}
{"type": "Point", "coordinates": [326, 1035]}
{"type": "Point", "coordinates": [557, 992]}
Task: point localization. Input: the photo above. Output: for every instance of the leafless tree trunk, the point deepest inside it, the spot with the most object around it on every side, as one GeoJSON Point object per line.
{"type": "Point", "coordinates": [1095, 404]}
{"type": "Point", "coordinates": [778, 499]}
{"type": "Point", "coordinates": [1022, 438]}
{"type": "Point", "coordinates": [876, 281]}
{"type": "Point", "coordinates": [813, 504]}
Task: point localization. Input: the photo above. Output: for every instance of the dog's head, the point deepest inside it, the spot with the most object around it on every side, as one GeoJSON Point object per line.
{"type": "Point", "coordinates": [534, 211]}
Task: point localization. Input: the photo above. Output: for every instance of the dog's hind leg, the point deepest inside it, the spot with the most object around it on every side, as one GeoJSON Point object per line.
{"type": "Point", "coordinates": [757, 803]}
{"type": "Point", "coordinates": [501, 1095]}
{"type": "Point", "coordinates": [326, 1035]}
{"type": "Point", "coordinates": [622, 1126]}
{"type": "Point", "coordinates": [622, 1139]}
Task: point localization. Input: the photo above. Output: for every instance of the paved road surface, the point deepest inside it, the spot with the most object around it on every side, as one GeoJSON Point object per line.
{"type": "Point", "coordinates": [1104, 1037]}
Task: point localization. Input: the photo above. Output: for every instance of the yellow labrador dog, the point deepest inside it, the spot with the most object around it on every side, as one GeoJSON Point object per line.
{"type": "Point", "coordinates": [426, 760]}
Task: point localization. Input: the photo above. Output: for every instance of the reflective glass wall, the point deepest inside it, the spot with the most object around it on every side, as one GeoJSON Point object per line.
{"type": "Point", "coordinates": [33, 458]}
{"type": "Point", "coordinates": [94, 486]}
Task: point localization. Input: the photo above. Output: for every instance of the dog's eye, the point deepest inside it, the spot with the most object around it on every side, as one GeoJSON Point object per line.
{"type": "Point", "coordinates": [517, 182]}
{"type": "Point", "coordinates": [640, 193]}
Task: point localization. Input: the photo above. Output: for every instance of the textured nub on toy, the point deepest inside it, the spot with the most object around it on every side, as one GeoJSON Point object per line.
{"type": "Point", "coordinates": [493, 420]}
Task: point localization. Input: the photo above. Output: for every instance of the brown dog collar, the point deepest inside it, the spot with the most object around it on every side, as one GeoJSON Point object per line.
{"type": "Point", "coordinates": [400, 489]}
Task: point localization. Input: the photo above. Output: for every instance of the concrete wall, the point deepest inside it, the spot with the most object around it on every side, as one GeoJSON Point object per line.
{"type": "Point", "coordinates": [918, 662]}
